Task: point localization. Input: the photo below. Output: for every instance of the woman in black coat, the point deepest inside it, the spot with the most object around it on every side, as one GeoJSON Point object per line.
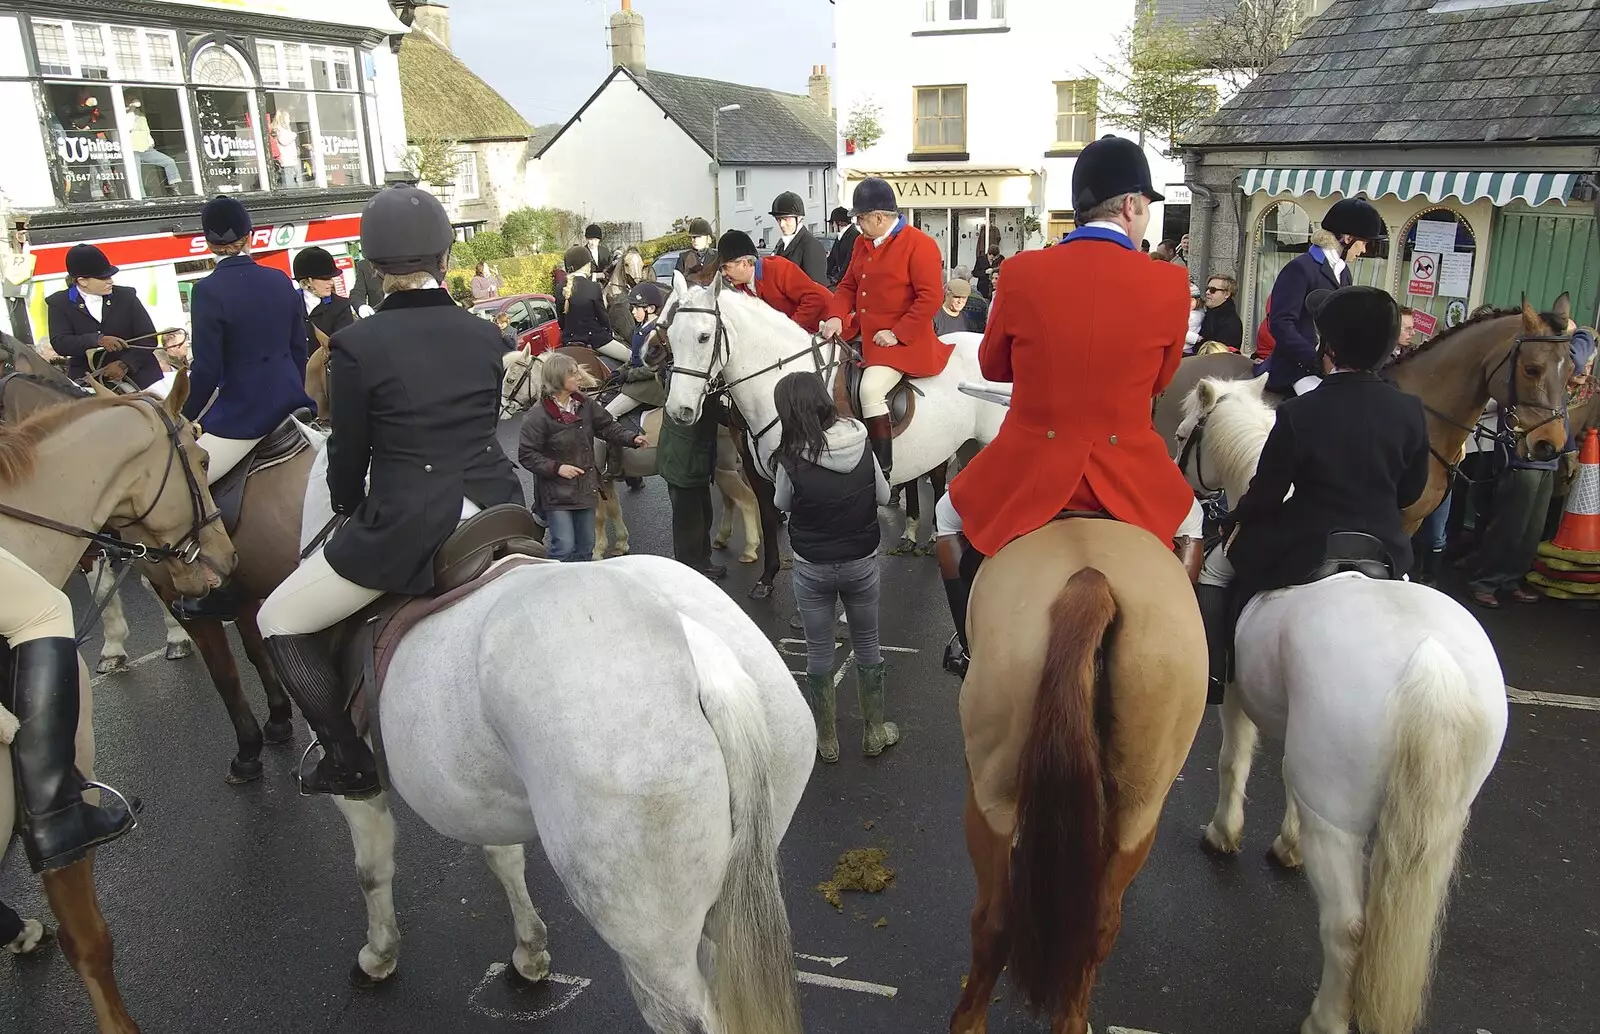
{"type": "Point", "coordinates": [92, 313]}
{"type": "Point", "coordinates": [583, 303]}
{"type": "Point", "coordinates": [326, 311]}
{"type": "Point", "coordinates": [557, 444]}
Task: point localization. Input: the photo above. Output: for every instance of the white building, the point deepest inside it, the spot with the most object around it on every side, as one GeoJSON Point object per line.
{"type": "Point", "coordinates": [984, 106]}
{"type": "Point", "coordinates": [651, 148]}
{"type": "Point", "coordinates": [121, 119]}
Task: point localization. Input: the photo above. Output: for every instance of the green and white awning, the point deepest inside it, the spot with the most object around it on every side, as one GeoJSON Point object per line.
{"type": "Point", "coordinates": [1500, 187]}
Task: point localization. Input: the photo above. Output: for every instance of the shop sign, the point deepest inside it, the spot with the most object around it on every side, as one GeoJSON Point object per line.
{"type": "Point", "coordinates": [956, 190]}
{"type": "Point", "coordinates": [1178, 194]}
{"type": "Point", "coordinates": [1424, 323]}
{"type": "Point", "coordinates": [1424, 274]}
{"type": "Point", "coordinates": [163, 248]}
{"type": "Point", "coordinates": [1455, 313]}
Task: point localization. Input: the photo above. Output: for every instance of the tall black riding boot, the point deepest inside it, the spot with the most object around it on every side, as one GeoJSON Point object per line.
{"type": "Point", "coordinates": [1216, 614]}
{"type": "Point", "coordinates": [58, 825]}
{"type": "Point", "coordinates": [880, 431]}
{"type": "Point", "coordinates": [347, 768]}
{"type": "Point", "coordinates": [956, 657]}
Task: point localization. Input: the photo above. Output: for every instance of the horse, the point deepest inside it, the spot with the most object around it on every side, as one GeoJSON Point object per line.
{"type": "Point", "coordinates": [659, 779]}
{"type": "Point", "coordinates": [1390, 704]}
{"type": "Point", "coordinates": [724, 336]}
{"type": "Point", "coordinates": [123, 451]}
{"type": "Point", "coordinates": [1086, 689]}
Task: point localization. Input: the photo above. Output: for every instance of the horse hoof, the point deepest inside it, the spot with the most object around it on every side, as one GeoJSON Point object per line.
{"type": "Point", "coordinates": [786, 563]}
{"type": "Point", "coordinates": [719, 543]}
{"type": "Point", "coordinates": [361, 980]}
{"type": "Point", "coordinates": [634, 483]}
{"type": "Point", "coordinates": [748, 558]}
{"type": "Point", "coordinates": [108, 665]}
{"type": "Point", "coordinates": [616, 551]}
{"type": "Point", "coordinates": [1218, 846]}
{"type": "Point", "coordinates": [241, 771]}
{"type": "Point", "coordinates": [762, 590]}
{"type": "Point", "coordinates": [32, 941]}
{"type": "Point", "coordinates": [540, 967]}
{"type": "Point", "coordinates": [903, 547]}
{"type": "Point", "coordinates": [179, 650]}
{"type": "Point", "coordinates": [278, 732]}
{"type": "Point", "coordinates": [1283, 857]}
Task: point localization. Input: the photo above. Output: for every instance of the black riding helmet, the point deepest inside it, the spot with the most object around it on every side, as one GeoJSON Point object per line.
{"type": "Point", "coordinates": [788, 204]}
{"type": "Point", "coordinates": [405, 230]}
{"type": "Point", "coordinates": [647, 294]}
{"type": "Point", "coordinates": [315, 264]}
{"type": "Point", "coordinates": [1357, 326]}
{"type": "Point", "coordinates": [1355, 217]}
{"type": "Point", "coordinates": [576, 258]}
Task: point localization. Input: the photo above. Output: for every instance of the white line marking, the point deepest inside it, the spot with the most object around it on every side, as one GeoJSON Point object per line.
{"type": "Point", "coordinates": [1524, 696]}
{"type": "Point", "coordinates": [836, 644]}
{"type": "Point", "coordinates": [1127, 1030]}
{"type": "Point", "coordinates": [841, 984]}
{"type": "Point", "coordinates": [832, 963]}
{"type": "Point", "coordinates": [575, 987]}
{"type": "Point", "coordinates": [160, 651]}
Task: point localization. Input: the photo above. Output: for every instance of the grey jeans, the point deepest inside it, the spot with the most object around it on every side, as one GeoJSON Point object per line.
{"type": "Point", "coordinates": [816, 586]}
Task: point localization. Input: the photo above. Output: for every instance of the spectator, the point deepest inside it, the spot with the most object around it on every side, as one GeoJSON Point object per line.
{"type": "Point", "coordinates": [686, 459]}
{"type": "Point", "coordinates": [952, 315]}
{"type": "Point", "coordinates": [1144, 246]}
{"type": "Point", "coordinates": [983, 273]}
{"type": "Point", "coordinates": [843, 247]}
{"type": "Point", "coordinates": [1408, 331]}
{"type": "Point", "coordinates": [1197, 315]}
{"type": "Point", "coordinates": [485, 285]}
{"type": "Point", "coordinates": [1166, 251]}
{"type": "Point", "coordinates": [1222, 322]}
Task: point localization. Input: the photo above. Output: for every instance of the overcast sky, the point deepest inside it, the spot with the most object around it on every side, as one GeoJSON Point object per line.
{"type": "Point", "coordinates": [547, 56]}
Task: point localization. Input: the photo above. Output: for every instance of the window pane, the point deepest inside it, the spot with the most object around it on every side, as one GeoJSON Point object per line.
{"type": "Point", "coordinates": [154, 121]}
{"type": "Point", "coordinates": [217, 66]}
{"type": "Point", "coordinates": [955, 101]}
{"type": "Point", "coordinates": [341, 140]}
{"type": "Point", "coordinates": [289, 164]}
{"type": "Point", "coordinates": [1064, 128]}
{"type": "Point", "coordinates": [955, 132]}
{"type": "Point", "coordinates": [86, 146]}
{"type": "Point", "coordinates": [267, 59]}
{"type": "Point", "coordinates": [91, 51]}
{"type": "Point", "coordinates": [163, 58]}
{"type": "Point", "coordinates": [320, 77]}
{"type": "Point", "coordinates": [997, 9]}
{"type": "Point", "coordinates": [125, 44]}
{"type": "Point", "coordinates": [294, 64]}
{"type": "Point", "coordinates": [228, 155]}
{"type": "Point", "coordinates": [927, 103]}
{"type": "Point", "coordinates": [50, 42]}
{"type": "Point", "coordinates": [344, 77]}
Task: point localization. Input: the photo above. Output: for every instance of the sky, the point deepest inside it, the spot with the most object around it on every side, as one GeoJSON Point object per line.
{"type": "Point", "coordinates": [547, 56]}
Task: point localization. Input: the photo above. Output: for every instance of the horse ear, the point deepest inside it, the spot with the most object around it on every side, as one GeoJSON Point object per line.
{"type": "Point", "coordinates": [1530, 319]}
{"type": "Point", "coordinates": [178, 395]}
{"type": "Point", "coordinates": [1255, 385]}
{"type": "Point", "coordinates": [1563, 305]}
{"type": "Point", "coordinates": [680, 285]}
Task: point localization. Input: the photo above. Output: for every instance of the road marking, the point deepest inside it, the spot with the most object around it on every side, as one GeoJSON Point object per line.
{"type": "Point", "coordinates": [1524, 696]}
{"type": "Point", "coordinates": [841, 984]}
{"type": "Point", "coordinates": [836, 644]}
{"type": "Point", "coordinates": [575, 986]}
{"type": "Point", "coordinates": [831, 963]}
{"type": "Point", "coordinates": [1127, 1030]}
{"type": "Point", "coordinates": [160, 651]}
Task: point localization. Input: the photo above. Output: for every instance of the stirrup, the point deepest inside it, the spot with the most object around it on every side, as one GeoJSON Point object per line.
{"type": "Point", "coordinates": [956, 658]}
{"type": "Point", "coordinates": [300, 778]}
{"type": "Point", "coordinates": [132, 809]}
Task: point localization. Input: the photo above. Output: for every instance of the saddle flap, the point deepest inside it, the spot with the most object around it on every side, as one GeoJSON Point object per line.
{"type": "Point", "coordinates": [1356, 551]}
{"type": "Point", "coordinates": [847, 398]}
{"type": "Point", "coordinates": [281, 444]}
{"type": "Point", "coordinates": [482, 539]}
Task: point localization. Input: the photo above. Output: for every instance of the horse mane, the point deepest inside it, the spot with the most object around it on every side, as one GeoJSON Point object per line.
{"type": "Point", "coordinates": [1555, 324]}
{"type": "Point", "coordinates": [766, 319]}
{"type": "Point", "coordinates": [19, 442]}
{"type": "Point", "coordinates": [1237, 426]}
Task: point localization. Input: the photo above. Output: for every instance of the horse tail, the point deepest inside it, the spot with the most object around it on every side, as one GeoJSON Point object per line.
{"type": "Point", "coordinates": [754, 985]}
{"type": "Point", "coordinates": [1065, 793]}
{"type": "Point", "coordinates": [1439, 733]}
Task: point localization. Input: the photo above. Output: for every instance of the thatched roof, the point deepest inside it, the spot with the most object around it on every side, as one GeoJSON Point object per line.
{"type": "Point", "coordinates": [445, 101]}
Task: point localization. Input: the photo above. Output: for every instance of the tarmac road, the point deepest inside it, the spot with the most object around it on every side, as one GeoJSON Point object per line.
{"type": "Point", "coordinates": [236, 909]}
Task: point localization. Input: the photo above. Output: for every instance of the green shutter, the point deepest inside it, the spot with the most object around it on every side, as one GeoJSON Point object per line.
{"type": "Point", "coordinates": [1541, 253]}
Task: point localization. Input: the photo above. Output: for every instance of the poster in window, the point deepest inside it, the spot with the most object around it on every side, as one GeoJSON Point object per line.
{"type": "Point", "coordinates": [85, 143]}
{"type": "Point", "coordinates": [1436, 235]}
{"type": "Point", "coordinates": [341, 140]}
{"type": "Point", "coordinates": [229, 157]}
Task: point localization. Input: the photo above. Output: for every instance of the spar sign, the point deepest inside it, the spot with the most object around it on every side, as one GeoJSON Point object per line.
{"type": "Point", "coordinates": [1425, 274]}
{"type": "Point", "coordinates": [160, 249]}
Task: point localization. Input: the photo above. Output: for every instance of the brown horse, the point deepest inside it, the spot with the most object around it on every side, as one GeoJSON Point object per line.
{"type": "Point", "coordinates": [1087, 685]}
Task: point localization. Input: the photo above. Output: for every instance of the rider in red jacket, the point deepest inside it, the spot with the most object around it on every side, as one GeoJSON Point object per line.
{"type": "Point", "coordinates": [775, 280]}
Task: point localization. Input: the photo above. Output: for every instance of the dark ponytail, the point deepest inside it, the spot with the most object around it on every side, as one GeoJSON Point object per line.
{"type": "Point", "coordinates": [805, 412]}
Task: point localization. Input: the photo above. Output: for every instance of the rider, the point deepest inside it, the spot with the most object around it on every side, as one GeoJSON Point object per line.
{"type": "Point", "coordinates": [896, 323]}
{"type": "Point", "coordinates": [700, 254]}
{"type": "Point", "coordinates": [641, 377]}
{"type": "Point", "coordinates": [249, 368]}
{"type": "Point", "coordinates": [1078, 436]}
{"type": "Point", "coordinates": [58, 826]}
{"type": "Point", "coordinates": [844, 245]}
{"type": "Point", "coordinates": [795, 242]}
{"type": "Point", "coordinates": [599, 255]}
{"type": "Point", "coordinates": [415, 391]}
{"type": "Point", "coordinates": [1350, 228]}
{"type": "Point", "coordinates": [326, 310]}
{"type": "Point", "coordinates": [93, 313]}
{"type": "Point", "coordinates": [583, 305]}
{"type": "Point", "coordinates": [774, 279]}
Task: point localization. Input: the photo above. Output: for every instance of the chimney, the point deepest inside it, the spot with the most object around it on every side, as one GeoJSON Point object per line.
{"type": "Point", "coordinates": [434, 19]}
{"type": "Point", "coordinates": [627, 39]}
{"type": "Point", "coordinates": [821, 89]}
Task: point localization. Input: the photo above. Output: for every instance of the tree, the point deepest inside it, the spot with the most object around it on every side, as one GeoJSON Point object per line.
{"type": "Point", "coordinates": [863, 125]}
{"type": "Point", "coordinates": [1248, 36]}
{"type": "Point", "coordinates": [1154, 85]}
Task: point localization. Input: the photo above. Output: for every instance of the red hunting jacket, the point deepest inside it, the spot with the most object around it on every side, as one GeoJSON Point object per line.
{"type": "Point", "coordinates": [896, 287]}
{"type": "Point", "coordinates": [786, 287]}
{"type": "Point", "coordinates": [1085, 374]}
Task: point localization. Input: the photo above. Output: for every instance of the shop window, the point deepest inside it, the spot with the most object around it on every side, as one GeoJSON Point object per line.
{"type": "Point", "coordinates": [158, 141]}
{"type": "Point", "coordinates": [216, 65]}
{"type": "Point", "coordinates": [941, 118]}
{"type": "Point", "coordinates": [291, 162]}
{"type": "Point", "coordinates": [86, 143]}
{"type": "Point", "coordinates": [230, 157]}
{"type": "Point", "coordinates": [1283, 233]}
{"type": "Point", "coordinates": [50, 47]}
{"type": "Point", "coordinates": [1438, 255]}
{"type": "Point", "coordinates": [339, 138]}
{"type": "Point", "coordinates": [1077, 103]}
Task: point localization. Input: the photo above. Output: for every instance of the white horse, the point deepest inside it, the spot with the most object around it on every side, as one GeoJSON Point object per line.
{"type": "Point", "coordinates": [659, 778]}
{"type": "Point", "coordinates": [1391, 707]}
{"type": "Point", "coordinates": [751, 346]}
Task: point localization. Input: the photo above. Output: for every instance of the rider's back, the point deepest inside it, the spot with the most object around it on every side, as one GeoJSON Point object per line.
{"type": "Point", "coordinates": [249, 367]}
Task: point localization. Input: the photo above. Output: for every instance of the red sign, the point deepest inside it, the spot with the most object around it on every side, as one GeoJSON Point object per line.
{"type": "Point", "coordinates": [158, 249]}
{"type": "Point", "coordinates": [1424, 274]}
{"type": "Point", "coordinates": [1424, 323]}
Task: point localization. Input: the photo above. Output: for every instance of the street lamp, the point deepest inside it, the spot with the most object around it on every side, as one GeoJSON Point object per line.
{"type": "Point", "coordinates": [716, 165]}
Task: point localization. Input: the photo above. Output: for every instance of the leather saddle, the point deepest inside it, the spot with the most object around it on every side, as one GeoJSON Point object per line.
{"type": "Point", "coordinates": [485, 546]}
{"type": "Point", "coordinates": [282, 444]}
{"type": "Point", "coordinates": [1353, 551]}
{"type": "Point", "coordinates": [847, 396]}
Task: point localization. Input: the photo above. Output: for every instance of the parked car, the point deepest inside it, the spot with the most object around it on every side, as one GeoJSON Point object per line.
{"type": "Point", "coordinates": [533, 320]}
{"type": "Point", "coordinates": [663, 266]}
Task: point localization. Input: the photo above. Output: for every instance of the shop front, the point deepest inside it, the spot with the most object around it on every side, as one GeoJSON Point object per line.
{"type": "Point", "coordinates": [965, 210]}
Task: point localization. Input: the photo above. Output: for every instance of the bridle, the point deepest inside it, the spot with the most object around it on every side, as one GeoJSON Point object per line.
{"type": "Point", "coordinates": [1214, 501]}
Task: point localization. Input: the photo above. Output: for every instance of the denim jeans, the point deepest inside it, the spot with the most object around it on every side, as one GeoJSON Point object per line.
{"type": "Point", "coordinates": [816, 586]}
{"type": "Point", "coordinates": [1432, 534]}
{"type": "Point", "coordinates": [570, 538]}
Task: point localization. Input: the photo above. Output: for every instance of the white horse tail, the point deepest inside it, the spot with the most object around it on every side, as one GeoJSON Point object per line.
{"type": "Point", "coordinates": [1439, 733]}
{"type": "Point", "coordinates": [754, 984]}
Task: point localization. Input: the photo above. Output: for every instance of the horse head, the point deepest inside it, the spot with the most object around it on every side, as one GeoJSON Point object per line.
{"type": "Point", "coordinates": [1530, 381]}
{"type": "Point", "coordinates": [1225, 426]}
{"type": "Point", "coordinates": [697, 337]}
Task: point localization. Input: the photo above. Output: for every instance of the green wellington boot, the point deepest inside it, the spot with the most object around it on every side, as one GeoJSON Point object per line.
{"type": "Point", "coordinates": [822, 695]}
{"type": "Point", "coordinates": [876, 734]}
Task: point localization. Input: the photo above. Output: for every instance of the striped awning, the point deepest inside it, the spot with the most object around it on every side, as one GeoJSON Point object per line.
{"type": "Point", "coordinates": [1500, 187]}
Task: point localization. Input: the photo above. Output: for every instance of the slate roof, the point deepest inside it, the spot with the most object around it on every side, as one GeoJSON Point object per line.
{"type": "Point", "coordinates": [1181, 13]}
{"type": "Point", "coordinates": [1388, 71]}
{"type": "Point", "coordinates": [771, 127]}
{"type": "Point", "coordinates": [444, 100]}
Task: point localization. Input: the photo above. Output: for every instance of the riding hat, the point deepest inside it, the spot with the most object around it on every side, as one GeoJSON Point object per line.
{"type": "Point", "coordinates": [788, 203]}
{"type": "Point", "coordinates": [576, 258]}
{"type": "Point", "coordinates": [1357, 325]}
{"type": "Point", "coordinates": [736, 244]}
{"type": "Point", "coordinates": [1355, 217]}
{"type": "Point", "coordinates": [315, 264]}
{"type": "Point", "coordinates": [88, 260]}
{"type": "Point", "coordinates": [647, 294]}
{"type": "Point", "coordinates": [873, 195]}
{"type": "Point", "coordinates": [223, 220]}
{"type": "Point", "coordinates": [1110, 167]}
{"type": "Point", "coordinates": [404, 229]}
{"type": "Point", "coordinates": [699, 228]}
{"type": "Point", "coordinates": [592, 232]}
{"type": "Point", "coordinates": [840, 216]}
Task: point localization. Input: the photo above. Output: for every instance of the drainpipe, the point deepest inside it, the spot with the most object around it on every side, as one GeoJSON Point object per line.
{"type": "Point", "coordinates": [1595, 182]}
{"type": "Point", "coordinates": [1209, 202]}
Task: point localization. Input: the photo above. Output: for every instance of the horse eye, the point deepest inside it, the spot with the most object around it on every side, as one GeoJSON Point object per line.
{"type": "Point", "coordinates": [1533, 371]}
{"type": "Point", "coordinates": [705, 339]}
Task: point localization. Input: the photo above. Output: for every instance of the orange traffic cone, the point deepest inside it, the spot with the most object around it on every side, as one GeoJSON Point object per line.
{"type": "Point", "coordinates": [1580, 525]}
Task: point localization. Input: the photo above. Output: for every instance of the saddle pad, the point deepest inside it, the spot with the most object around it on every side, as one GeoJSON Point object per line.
{"type": "Point", "coordinates": [283, 444]}
{"type": "Point", "coordinates": [847, 397]}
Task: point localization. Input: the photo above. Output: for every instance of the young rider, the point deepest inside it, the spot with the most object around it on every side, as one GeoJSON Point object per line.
{"type": "Point", "coordinates": [641, 376]}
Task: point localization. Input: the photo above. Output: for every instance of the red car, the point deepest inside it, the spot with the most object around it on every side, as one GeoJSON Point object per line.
{"type": "Point", "coordinates": [533, 320]}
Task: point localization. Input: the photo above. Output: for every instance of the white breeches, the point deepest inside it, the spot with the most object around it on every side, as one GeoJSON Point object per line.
{"type": "Point", "coordinates": [30, 607]}
{"type": "Point", "coordinates": [617, 350]}
{"type": "Point", "coordinates": [224, 454]}
{"type": "Point", "coordinates": [947, 521]}
{"type": "Point", "coordinates": [1194, 525]}
{"type": "Point", "coordinates": [315, 596]}
{"type": "Point", "coordinates": [622, 405]}
{"type": "Point", "coordinates": [876, 383]}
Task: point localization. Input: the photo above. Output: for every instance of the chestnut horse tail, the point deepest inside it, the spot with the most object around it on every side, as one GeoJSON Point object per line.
{"type": "Point", "coordinates": [1065, 794]}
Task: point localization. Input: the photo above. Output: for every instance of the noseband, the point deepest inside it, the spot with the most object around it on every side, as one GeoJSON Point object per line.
{"type": "Point", "coordinates": [1514, 433]}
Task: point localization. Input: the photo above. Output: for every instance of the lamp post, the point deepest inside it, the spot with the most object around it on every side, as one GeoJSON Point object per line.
{"type": "Point", "coordinates": [716, 166]}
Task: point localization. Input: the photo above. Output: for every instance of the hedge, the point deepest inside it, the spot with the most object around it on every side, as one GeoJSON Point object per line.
{"type": "Point", "coordinates": [657, 246]}
{"type": "Point", "coordinates": [528, 274]}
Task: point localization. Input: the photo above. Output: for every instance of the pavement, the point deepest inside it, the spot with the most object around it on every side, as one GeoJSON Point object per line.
{"type": "Point", "coordinates": [236, 908]}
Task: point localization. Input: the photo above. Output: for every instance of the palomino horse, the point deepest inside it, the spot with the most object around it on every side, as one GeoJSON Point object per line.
{"type": "Point", "coordinates": [659, 779]}
{"type": "Point", "coordinates": [1391, 707]}
{"type": "Point", "coordinates": [746, 346]}
{"type": "Point", "coordinates": [1087, 685]}
{"type": "Point", "coordinates": [124, 452]}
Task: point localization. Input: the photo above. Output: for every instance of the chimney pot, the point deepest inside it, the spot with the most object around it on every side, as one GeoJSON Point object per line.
{"type": "Point", "coordinates": [627, 39]}
{"type": "Point", "coordinates": [821, 88]}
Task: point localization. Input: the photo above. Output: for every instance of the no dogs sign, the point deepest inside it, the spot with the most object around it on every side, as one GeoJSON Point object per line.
{"type": "Point", "coordinates": [1424, 274]}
